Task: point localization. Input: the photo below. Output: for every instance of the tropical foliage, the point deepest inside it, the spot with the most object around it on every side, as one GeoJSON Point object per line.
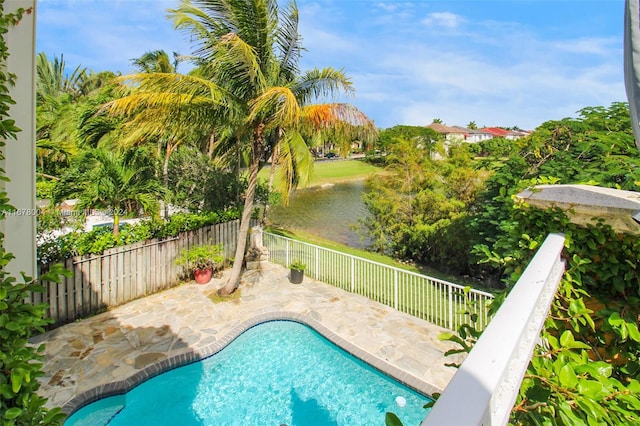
{"type": "Point", "coordinates": [209, 256]}
{"type": "Point", "coordinates": [197, 141]}
{"type": "Point", "coordinates": [247, 96]}
{"type": "Point", "coordinates": [52, 247]}
{"type": "Point", "coordinates": [20, 362]}
{"type": "Point", "coordinates": [587, 371]}
{"type": "Point", "coordinates": [421, 201]}
{"type": "Point", "coordinates": [117, 182]}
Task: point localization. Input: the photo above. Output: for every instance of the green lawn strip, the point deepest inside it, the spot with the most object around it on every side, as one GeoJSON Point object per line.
{"type": "Point", "coordinates": [376, 257]}
{"type": "Point", "coordinates": [333, 245]}
{"type": "Point", "coordinates": [332, 171]}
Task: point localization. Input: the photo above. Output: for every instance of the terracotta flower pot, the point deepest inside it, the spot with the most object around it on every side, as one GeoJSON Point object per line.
{"type": "Point", "coordinates": [202, 276]}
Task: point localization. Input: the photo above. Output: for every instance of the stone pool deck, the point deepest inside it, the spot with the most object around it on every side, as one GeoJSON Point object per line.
{"type": "Point", "coordinates": [114, 351]}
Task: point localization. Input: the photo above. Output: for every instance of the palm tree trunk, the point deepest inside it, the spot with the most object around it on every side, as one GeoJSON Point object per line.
{"type": "Point", "coordinates": [257, 151]}
{"type": "Point", "coordinates": [272, 174]}
{"type": "Point", "coordinates": [212, 141]}
{"type": "Point", "coordinates": [165, 177]}
{"type": "Point", "coordinates": [116, 223]}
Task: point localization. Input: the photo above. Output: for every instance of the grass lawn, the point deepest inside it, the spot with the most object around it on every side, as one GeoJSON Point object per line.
{"type": "Point", "coordinates": [332, 171]}
{"type": "Point", "coordinates": [376, 257]}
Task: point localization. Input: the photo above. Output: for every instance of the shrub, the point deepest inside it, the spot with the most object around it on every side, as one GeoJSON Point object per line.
{"type": "Point", "coordinates": [202, 257]}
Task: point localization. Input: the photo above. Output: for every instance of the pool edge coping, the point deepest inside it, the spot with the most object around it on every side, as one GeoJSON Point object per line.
{"type": "Point", "coordinates": [196, 354]}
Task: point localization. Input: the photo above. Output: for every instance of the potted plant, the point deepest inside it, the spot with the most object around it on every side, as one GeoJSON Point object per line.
{"type": "Point", "coordinates": [297, 272]}
{"type": "Point", "coordinates": [203, 261]}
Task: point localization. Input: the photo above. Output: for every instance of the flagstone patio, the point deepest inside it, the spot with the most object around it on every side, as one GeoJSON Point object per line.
{"type": "Point", "coordinates": [114, 351]}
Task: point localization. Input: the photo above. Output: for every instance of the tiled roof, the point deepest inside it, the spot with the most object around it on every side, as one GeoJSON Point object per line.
{"type": "Point", "coordinates": [496, 131]}
{"type": "Point", "coordinates": [441, 128]}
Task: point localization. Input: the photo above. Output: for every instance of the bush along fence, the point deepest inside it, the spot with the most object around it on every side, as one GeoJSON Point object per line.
{"type": "Point", "coordinates": [125, 273]}
{"type": "Point", "coordinates": [439, 302]}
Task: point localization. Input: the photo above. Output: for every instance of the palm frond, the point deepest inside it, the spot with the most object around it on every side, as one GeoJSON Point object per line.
{"type": "Point", "coordinates": [289, 41]}
{"type": "Point", "coordinates": [317, 84]}
{"type": "Point", "coordinates": [343, 123]}
{"type": "Point", "coordinates": [237, 59]}
{"type": "Point", "coordinates": [296, 162]}
{"type": "Point", "coordinates": [277, 106]}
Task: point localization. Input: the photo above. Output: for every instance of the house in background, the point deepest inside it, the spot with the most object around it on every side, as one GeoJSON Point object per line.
{"type": "Point", "coordinates": [499, 132]}
{"type": "Point", "coordinates": [451, 134]}
{"type": "Point", "coordinates": [463, 134]}
{"type": "Point", "coordinates": [474, 135]}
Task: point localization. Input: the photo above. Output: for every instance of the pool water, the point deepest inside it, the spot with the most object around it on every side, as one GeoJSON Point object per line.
{"type": "Point", "coordinates": [276, 373]}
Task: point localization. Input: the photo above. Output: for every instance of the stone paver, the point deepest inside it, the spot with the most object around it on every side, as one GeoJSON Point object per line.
{"type": "Point", "coordinates": [114, 351]}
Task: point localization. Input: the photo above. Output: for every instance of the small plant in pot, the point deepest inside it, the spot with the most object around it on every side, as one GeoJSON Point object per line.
{"type": "Point", "coordinates": [203, 261]}
{"type": "Point", "coordinates": [297, 272]}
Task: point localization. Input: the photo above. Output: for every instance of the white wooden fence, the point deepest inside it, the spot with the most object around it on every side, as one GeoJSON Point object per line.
{"type": "Point", "coordinates": [125, 273]}
{"type": "Point", "coordinates": [485, 387]}
{"type": "Point", "coordinates": [434, 300]}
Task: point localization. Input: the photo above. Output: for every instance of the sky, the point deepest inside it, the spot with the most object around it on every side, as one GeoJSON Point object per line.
{"type": "Point", "coordinates": [494, 62]}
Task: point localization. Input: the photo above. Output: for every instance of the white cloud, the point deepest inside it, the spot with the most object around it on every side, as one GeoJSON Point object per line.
{"type": "Point", "coordinates": [406, 69]}
{"type": "Point", "coordinates": [596, 46]}
{"type": "Point", "coordinates": [389, 7]}
{"type": "Point", "coordinates": [443, 19]}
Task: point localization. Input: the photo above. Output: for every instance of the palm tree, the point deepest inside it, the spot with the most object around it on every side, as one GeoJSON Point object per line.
{"type": "Point", "coordinates": [53, 79]}
{"type": "Point", "coordinates": [66, 106]}
{"type": "Point", "coordinates": [56, 93]}
{"type": "Point", "coordinates": [118, 181]}
{"type": "Point", "coordinates": [249, 92]}
{"type": "Point", "coordinates": [156, 61]}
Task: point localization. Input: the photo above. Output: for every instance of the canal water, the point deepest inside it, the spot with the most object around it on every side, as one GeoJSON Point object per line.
{"type": "Point", "coordinates": [330, 211]}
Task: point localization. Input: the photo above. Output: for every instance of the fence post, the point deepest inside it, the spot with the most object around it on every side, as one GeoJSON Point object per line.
{"type": "Point", "coordinates": [450, 308]}
{"type": "Point", "coordinates": [353, 275]}
{"type": "Point", "coordinates": [395, 289]}
{"type": "Point", "coordinates": [286, 255]}
{"type": "Point", "coordinates": [317, 271]}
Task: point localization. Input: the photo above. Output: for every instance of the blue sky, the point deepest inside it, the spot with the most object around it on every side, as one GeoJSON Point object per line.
{"type": "Point", "coordinates": [495, 62]}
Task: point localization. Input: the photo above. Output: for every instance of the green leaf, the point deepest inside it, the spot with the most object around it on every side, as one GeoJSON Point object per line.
{"type": "Point", "coordinates": [634, 334]}
{"type": "Point", "coordinates": [12, 413]}
{"type": "Point", "coordinates": [568, 416]}
{"type": "Point", "coordinates": [391, 419]}
{"type": "Point", "coordinates": [17, 376]}
{"type": "Point", "coordinates": [591, 389]}
{"type": "Point", "coordinates": [12, 326]}
{"type": "Point", "coordinates": [567, 376]}
{"type": "Point", "coordinates": [567, 341]}
{"type": "Point", "coordinates": [538, 394]}
{"type": "Point", "coordinates": [615, 319]}
{"type": "Point", "coordinates": [566, 338]}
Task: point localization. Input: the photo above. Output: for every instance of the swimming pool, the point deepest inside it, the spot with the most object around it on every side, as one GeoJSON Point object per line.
{"type": "Point", "coordinates": [276, 373]}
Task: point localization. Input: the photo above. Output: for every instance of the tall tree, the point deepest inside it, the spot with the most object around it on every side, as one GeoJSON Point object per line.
{"type": "Point", "coordinates": [118, 181]}
{"type": "Point", "coordinates": [249, 91]}
{"type": "Point", "coordinates": [66, 104]}
{"type": "Point", "coordinates": [56, 93]}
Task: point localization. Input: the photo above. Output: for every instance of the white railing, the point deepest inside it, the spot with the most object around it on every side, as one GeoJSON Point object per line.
{"type": "Point", "coordinates": [437, 301]}
{"type": "Point", "coordinates": [485, 387]}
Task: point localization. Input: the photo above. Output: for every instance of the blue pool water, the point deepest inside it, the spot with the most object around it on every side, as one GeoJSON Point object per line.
{"type": "Point", "coordinates": [276, 373]}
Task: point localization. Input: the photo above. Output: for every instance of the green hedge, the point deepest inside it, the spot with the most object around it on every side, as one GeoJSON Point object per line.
{"type": "Point", "coordinates": [76, 243]}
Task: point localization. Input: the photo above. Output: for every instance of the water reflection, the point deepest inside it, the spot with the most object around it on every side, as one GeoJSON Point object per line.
{"type": "Point", "coordinates": [327, 211]}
